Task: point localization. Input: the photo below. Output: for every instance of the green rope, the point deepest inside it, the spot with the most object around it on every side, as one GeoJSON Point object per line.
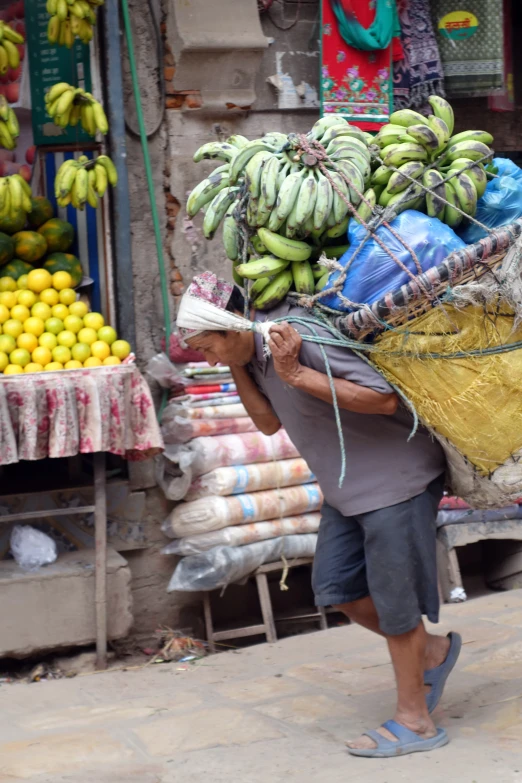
{"type": "Point", "coordinates": [150, 185]}
{"type": "Point", "coordinates": [338, 340]}
{"type": "Point", "coordinates": [331, 382]}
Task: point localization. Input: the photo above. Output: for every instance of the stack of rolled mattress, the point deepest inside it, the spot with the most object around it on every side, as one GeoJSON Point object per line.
{"type": "Point", "coordinates": [246, 498]}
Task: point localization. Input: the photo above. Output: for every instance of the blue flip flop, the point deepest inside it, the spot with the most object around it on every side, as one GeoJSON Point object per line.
{"type": "Point", "coordinates": [407, 742]}
{"type": "Point", "coordinates": [437, 677]}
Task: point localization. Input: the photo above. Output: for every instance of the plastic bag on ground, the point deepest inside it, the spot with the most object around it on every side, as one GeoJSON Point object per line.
{"type": "Point", "coordinates": [181, 430]}
{"type": "Point", "coordinates": [244, 534]}
{"type": "Point", "coordinates": [500, 205]}
{"type": "Point", "coordinates": [226, 564]}
{"type": "Point", "coordinates": [31, 548]}
{"type": "Point", "coordinates": [373, 273]}
{"type": "Point", "coordinates": [251, 478]}
{"type": "Point", "coordinates": [205, 454]}
{"type": "Point", "coordinates": [206, 514]}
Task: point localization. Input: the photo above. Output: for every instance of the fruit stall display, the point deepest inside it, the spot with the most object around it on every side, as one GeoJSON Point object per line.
{"type": "Point", "coordinates": [44, 327]}
{"type": "Point", "coordinates": [285, 201]}
{"type": "Point", "coordinates": [43, 324]}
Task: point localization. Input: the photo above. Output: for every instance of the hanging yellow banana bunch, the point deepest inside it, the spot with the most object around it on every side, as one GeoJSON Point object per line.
{"type": "Point", "coordinates": [83, 181]}
{"type": "Point", "coordinates": [69, 105]}
{"type": "Point", "coordinates": [70, 19]}
{"type": "Point", "coordinates": [15, 195]}
{"type": "Point", "coordinates": [9, 127]}
{"type": "Point", "coordinates": [9, 54]}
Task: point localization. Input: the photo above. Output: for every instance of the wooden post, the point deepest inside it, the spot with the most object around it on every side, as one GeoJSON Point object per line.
{"type": "Point", "coordinates": [266, 607]}
{"type": "Point", "coordinates": [100, 526]}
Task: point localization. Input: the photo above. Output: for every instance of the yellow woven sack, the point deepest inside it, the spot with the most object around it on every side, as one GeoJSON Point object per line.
{"type": "Point", "coordinates": [473, 401]}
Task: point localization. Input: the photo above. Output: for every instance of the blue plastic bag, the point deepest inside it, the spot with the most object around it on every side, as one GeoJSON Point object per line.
{"type": "Point", "coordinates": [500, 205]}
{"type": "Point", "coordinates": [506, 168]}
{"type": "Point", "coordinates": [373, 272]}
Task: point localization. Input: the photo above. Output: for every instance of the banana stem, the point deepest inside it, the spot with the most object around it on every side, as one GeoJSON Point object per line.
{"type": "Point", "coordinates": [150, 183]}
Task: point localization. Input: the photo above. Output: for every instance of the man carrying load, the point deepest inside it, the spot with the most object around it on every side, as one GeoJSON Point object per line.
{"type": "Point", "coordinates": [376, 550]}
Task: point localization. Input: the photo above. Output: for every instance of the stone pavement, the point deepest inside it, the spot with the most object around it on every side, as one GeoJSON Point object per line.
{"type": "Point", "coordinates": [275, 713]}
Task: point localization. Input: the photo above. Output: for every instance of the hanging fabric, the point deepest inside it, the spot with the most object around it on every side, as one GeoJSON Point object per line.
{"type": "Point", "coordinates": [357, 82]}
{"type": "Point", "coordinates": [378, 35]}
{"type": "Point", "coordinates": [419, 74]}
{"type": "Point", "coordinates": [505, 101]}
{"type": "Point", "coordinates": [471, 44]}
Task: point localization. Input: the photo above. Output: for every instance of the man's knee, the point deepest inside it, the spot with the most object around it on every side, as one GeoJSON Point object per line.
{"type": "Point", "coordinates": [351, 609]}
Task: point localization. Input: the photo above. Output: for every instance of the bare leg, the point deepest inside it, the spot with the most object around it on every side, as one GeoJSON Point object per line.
{"type": "Point", "coordinates": [363, 612]}
{"type": "Point", "coordinates": [408, 654]}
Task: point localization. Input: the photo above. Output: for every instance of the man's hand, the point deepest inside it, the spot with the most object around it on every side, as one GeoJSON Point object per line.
{"type": "Point", "coordinates": [285, 344]}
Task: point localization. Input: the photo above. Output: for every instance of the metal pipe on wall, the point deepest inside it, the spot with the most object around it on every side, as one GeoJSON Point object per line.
{"type": "Point", "coordinates": [118, 152]}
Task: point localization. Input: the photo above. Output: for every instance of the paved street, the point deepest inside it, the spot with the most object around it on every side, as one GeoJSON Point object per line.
{"type": "Point", "coordinates": [272, 713]}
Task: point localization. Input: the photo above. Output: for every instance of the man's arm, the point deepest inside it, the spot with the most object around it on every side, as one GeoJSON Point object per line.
{"type": "Point", "coordinates": [285, 344]}
{"type": "Point", "coordinates": [256, 404]}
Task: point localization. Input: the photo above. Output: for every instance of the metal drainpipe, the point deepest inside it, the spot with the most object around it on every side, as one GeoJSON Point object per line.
{"type": "Point", "coordinates": [118, 152]}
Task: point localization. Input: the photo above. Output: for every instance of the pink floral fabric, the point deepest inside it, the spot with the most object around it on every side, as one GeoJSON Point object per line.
{"type": "Point", "coordinates": [77, 411]}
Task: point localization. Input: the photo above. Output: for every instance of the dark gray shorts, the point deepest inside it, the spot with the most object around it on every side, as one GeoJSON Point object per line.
{"type": "Point", "coordinates": [388, 554]}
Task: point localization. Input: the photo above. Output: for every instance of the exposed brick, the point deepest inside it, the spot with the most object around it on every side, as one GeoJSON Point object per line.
{"type": "Point", "coordinates": [193, 102]}
{"type": "Point", "coordinates": [169, 71]}
{"type": "Point", "coordinates": [176, 276]}
{"type": "Point", "coordinates": [177, 289]}
{"type": "Point", "coordinates": [174, 101]}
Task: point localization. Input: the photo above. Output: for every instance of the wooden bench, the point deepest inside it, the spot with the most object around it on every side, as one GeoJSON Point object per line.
{"type": "Point", "coordinates": [268, 626]}
{"type": "Point", "coordinates": [450, 537]}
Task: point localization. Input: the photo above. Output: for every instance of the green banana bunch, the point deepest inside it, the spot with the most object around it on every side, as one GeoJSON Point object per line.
{"type": "Point", "coordinates": [68, 105]}
{"type": "Point", "coordinates": [207, 189]}
{"type": "Point", "coordinates": [266, 266]}
{"type": "Point", "coordinates": [84, 181]}
{"type": "Point", "coordinates": [290, 206]}
{"type": "Point", "coordinates": [275, 291]}
{"type": "Point", "coordinates": [217, 210]}
{"type": "Point", "coordinates": [71, 19]}
{"type": "Point", "coordinates": [429, 152]}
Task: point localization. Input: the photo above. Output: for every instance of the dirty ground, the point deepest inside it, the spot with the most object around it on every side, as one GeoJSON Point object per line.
{"type": "Point", "coordinates": [272, 713]}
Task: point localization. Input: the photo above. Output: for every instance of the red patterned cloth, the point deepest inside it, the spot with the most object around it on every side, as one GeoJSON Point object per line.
{"type": "Point", "coordinates": [60, 414]}
{"type": "Point", "coordinates": [354, 83]}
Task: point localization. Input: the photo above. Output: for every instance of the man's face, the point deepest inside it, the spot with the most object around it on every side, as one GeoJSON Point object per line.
{"type": "Point", "coordinates": [224, 347]}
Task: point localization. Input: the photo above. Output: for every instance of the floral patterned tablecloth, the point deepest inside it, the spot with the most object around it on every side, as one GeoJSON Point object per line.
{"type": "Point", "coordinates": [60, 414]}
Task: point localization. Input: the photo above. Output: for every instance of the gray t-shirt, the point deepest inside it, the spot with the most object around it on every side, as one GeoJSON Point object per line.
{"type": "Point", "coordinates": [382, 467]}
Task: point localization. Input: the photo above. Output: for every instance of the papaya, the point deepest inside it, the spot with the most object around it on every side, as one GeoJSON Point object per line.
{"type": "Point", "coordinates": [58, 234]}
{"type": "Point", "coordinates": [16, 268]}
{"type": "Point", "coordinates": [65, 262]}
{"type": "Point", "coordinates": [7, 249]}
{"type": "Point", "coordinates": [29, 246]}
{"type": "Point", "coordinates": [41, 212]}
{"type": "Point", "coordinates": [10, 225]}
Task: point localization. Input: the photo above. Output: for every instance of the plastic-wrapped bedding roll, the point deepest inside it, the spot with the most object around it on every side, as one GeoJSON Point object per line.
{"type": "Point", "coordinates": [226, 564]}
{"type": "Point", "coordinates": [206, 514]}
{"type": "Point", "coordinates": [242, 535]}
{"type": "Point", "coordinates": [207, 412]}
{"type": "Point", "coordinates": [181, 430]}
{"type": "Point", "coordinates": [251, 478]}
{"type": "Point", "coordinates": [202, 455]}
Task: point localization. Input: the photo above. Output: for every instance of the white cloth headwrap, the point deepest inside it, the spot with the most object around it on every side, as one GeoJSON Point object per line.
{"type": "Point", "coordinates": [202, 316]}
